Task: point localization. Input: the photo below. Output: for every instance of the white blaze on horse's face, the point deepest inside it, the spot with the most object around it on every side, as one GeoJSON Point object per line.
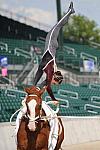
{"type": "Point", "coordinates": [31, 106]}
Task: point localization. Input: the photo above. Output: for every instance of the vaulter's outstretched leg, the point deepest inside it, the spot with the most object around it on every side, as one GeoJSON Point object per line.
{"type": "Point", "coordinates": [51, 39]}
{"type": "Point", "coordinates": [51, 44]}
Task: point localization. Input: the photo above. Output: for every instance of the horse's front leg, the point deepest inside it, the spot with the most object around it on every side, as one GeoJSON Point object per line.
{"type": "Point", "coordinates": [22, 147]}
{"type": "Point", "coordinates": [22, 139]}
{"type": "Point", "coordinates": [22, 144]}
{"type": "Point", "coordinates": [18, 148]}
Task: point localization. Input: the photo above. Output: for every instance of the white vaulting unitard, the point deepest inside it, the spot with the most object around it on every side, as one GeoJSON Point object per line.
{"type": "Point", "coordinates": [53, 136]}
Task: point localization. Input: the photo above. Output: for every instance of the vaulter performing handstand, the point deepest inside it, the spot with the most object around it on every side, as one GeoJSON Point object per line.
{"type": "Point", "coordinates": [47, 63]}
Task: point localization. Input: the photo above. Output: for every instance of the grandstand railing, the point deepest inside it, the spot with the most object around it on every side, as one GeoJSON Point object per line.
{"type": "Point", "coordinates": [13, 92]}
{"type": "Point", "coordinates": [89, 108]}
{"type": "Point", "coordinates": [29, 79]}
{"type": "Point", "coordinates": [94, 86]}
{"type": "Point", "coordinates": [22, 52]}
{"type": "Point", "coordinates": [3, 46]}
{"type": "Point", "coordinates": [29, 70]}
{"type": "Point", "coordinates": [95, 99]}
{"type": "Point", "coordinates": [66, 102]}
{"type": "Point", "coordinates": [67, 93]}
{"type": "Point", "coordinates": [24, 73]}
{"type": "Point", "coordinates": [94, 44]}
{"type": "Point", "coordinates": [10, 82]}
{"type": "Point", "coordinates": [69, 50]}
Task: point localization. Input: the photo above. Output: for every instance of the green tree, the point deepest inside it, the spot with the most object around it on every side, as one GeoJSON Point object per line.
{"type": "Point", "coordinates": [81, 29]}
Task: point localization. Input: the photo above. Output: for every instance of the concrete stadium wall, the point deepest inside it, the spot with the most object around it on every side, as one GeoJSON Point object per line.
{"type": "Point", "coordinates": [7, 140]}
{"type": "Point", "coordinates": [77, 130]}
{"type": "Point", "coordinates": [81, 130]}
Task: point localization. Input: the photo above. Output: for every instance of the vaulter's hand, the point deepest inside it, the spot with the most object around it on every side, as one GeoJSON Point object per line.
{"type": "Point", "coordinates": [55, 102]}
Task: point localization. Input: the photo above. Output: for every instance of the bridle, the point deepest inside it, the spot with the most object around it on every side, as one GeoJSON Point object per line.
{"type": "Point", "coordinates": [38, 117]}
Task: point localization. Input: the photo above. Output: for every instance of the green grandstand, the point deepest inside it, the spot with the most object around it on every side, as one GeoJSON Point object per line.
{"type": "Point", "coordinates": [79, 94]}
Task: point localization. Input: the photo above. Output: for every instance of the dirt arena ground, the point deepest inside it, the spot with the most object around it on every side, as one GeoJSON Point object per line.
{"type": "Point", "coordinates": [85, 146]}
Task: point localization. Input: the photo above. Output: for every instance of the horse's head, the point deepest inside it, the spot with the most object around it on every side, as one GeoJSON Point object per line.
{"type": "Point", "coordinates": [33, 102]}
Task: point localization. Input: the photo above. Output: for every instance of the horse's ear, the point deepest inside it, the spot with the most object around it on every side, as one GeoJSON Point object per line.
{"type": "Point", "coordinates": [27, 90]}
{"type": "Point", "coordinates": [31, 90]}
{"type": "Point", "coordinates": [42, 90]}
{"type": "Point", "coordinates": [34, 90]}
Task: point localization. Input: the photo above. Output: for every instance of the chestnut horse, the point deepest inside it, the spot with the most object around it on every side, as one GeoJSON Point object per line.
{"type": "Point", "coordinates": [33, 133]}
